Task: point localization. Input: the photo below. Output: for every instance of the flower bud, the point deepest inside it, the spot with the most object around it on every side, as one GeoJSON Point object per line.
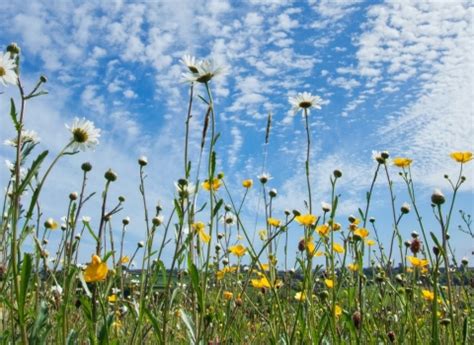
{"type": "Point", "coordinates": [407, 244]}
{"type": "Point", "coordinates": [464, 261]}
{"type": "Point", "coordinates": [301, 245]}
{"type": "Point", "coordinates": [414, 234]}
{"type": "Point", "coordinates": [351, 219]}
{"type": "Point", "coordinates": [157, 221]}
{"type": "Point", "coordinates": [218, 247]}
{"type": "Point", "coordinates": [141, 244]}
{"type": "Point", "coordinates": [384, 154]}
{"type": "Point", "coordinates": [126, 221]}
{"type": "Point", "coordinates": [225, 261]}
{"type": "Point", "coordinates": [220, 235]}
{"type": "Point", "coordinates": [337, 173]}
{"type": "Point", "coordinates": [110, 175]}
{"type": "Point", "coordinates": [142, 161]}
{"type": "Point", "coordinates": [436, 250]}
{"type": "Point", "coordinates": [405, 208]}
{"type": "Point", "coordinates": [287, 212]}
{"type": "Point", "coordinates": [273, 193]}
{"type": "Point", "coordinates": [325, 206]}
{"type": "Point", "coordinates": [296, 213]}
{"type": "Point", "coordinates": [228, 208]}
{"type": "Point", "coordinates": [86, 167]}
{"type": "Point", "coordinates": [445, 322]}
{"type": "Point", "coordinates": [13, 48]}
{"type": "Point", "coordinates": [43, 79]}
{"type": "Point", "coordinates": [415, 245]}
{"type": "Point", "coordinates": [391, 336]}
{"type": "Point", "coordinates": [372, 219]}
{"type": "Point", "coordinates": [437, 197]}
{"type": "Point", "coordinates": [73, 196]}
{"type": "Point", "coordinates": [357, 319]}
{"type": "Point", "coordinates": [220, 175]}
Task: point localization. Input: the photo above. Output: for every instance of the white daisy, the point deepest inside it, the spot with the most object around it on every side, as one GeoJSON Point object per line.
{"type": "Point", "coordinates": [229, 219]}
{"type": "Point", "coordinates": [305, 100]}
{"type": "Point", "coordinates": [7, 70]}
{"type": "Point", "coordinates": [84, 134]}
{"type": "Point", "coordinates": [191, 63]}
{"type": "Point", "coordinates": [264, 177]}
{"type": "Point", "coordinates": [185, 190]}
{"type": "Point", "coordinates": [27, 136]}
{"type": "Point", "coordinates": [205, 71]}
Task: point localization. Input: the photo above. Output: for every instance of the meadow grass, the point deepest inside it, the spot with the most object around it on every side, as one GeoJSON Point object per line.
{"type": "Point", "coordinates": [219, 287]}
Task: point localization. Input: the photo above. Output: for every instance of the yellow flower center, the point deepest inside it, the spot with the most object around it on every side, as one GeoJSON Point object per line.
{"type": "Point", "coordinates": [2, 71]}
{"type": "Point", "coordinates": [80, 135]}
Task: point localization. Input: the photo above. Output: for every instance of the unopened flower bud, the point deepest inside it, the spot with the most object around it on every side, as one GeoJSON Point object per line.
{"type": "Point", "coordinates": [225, 261]}
{"type": "Point", "coordinates": [13, 48]}
{"type": "Point", "coordinates": [301, 245]}
{"type": "Point", "coordinates": [391, 336]}
{"type": "Point", "coordinates": [337, 173]}
{"type": "Point", "coordinates": [405, 208]}
{"type": "Point", "coordinates": [325, 206]}
{"type": "Point", "coordinates": [407, 244]}
{"type": "Point", "coordinates": [287, 212]}
{"type": "Point", "coordinates": [73, 196]}
{"type": "Point", "coordinates": [141, 244]}
{"type": "Point", "coordinates": [142, 161]}
{"type": "Point", "coordinates": [437, 197]}
{"type": "Point", "coordinates": [218, 247]}
{"type": "Point", "coordinates": [273, 193]}
{"type": "Point", "coordinates": [351, 219]}
{"type": "Point", "coordinates": [415, 245]}
{"type": "Point", "coordinates": [436, 250]}
{"type": "Point", "coordinates": [228, 208]}
{"type": "Point", "coordinates": [464, 261]}
{"type": "Point", "coordinates": [43, 79]}
{"type": "Point", "coordinates": [372, 220]}
{"type": "Point", "coordinates": [126, 221]}
{"type": "Point", "coordinates": [110, 175]}
{"type": "Point", "coordinates": [357, 319]}
{"type": "Point", "coordinates": [86, 167]}
{"type": "Point", "coordinates": [157, 221]}
{"type": "Point", "coordinates": [220, 235]}
{"type": "Point", "coordinates": [296, 213]}
{"type": "Point", "coordinates": [385, 154]}
{"type": "Point", "coordinates": [414, 234]}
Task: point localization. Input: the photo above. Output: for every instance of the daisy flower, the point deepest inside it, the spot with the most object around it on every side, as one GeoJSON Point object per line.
{"type": "Point", "coordinates": [7, 70]}
{"type": "Point", "coordinates": [304, 101]}
{"type": "Point", "coordinates": [205, 71]}
{"type": "Point", "coordinates": [190, 62]}
{"type": "Point", "coordinates": [84, 134]}
{"type": "Point", "coordinates": [27, 136]}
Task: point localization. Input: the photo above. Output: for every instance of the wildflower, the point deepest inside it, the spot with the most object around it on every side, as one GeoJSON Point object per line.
{"type": "Point", "coordinates": [238, 250]}
{"type": "Point", "coordinates": [262, 234]}
{"type": "Point", "coordinates": [86, 219]}
{"type": "Point", "coordinates": [86, 166]}
{"type": "Point", "coordinates": [437, 197]}
{"type": "Point", "coordinates": [260, 283]}
{"type": "Point", "coordinates": [405, 208]}
{"type": "Point", "coordinates": [213, 184]}
{"type": "Point", "coordinates": [190, 62]}
{"type": "Point", "coordinates": [427, 295]}
{"type": "Point", "coordinates": [322, 230]}
{"type": "Point", "coordinates": [142, 161]}
{"type": "Point", "coordinates": [27, 136]}
{"type": "Point", "coordinates": [229, 219]}
{"type": "Point", "coordinates": [7, 70]}
{"type": "Point", "coordinates": [402, 162]}
{"type": "Point", "coordinates": [380, 157]}
{"type": "Point", "coordinates": [329, 283]}
{"type": "Point", "coordinates": [141, 244]}
{"type": "Point", "coordinates": [415, 245]}
{"type": "Point", "coordinates": [264, 267]}
{"type": "Point", "coordinates": [304, 101]}
{"type": "Point", "coordinates": [417, 262]}
{"type": "Point", "coordinates": [110, 175]}
{"type": "Point", "coordinates": [357, 319]}
{"type": "Point", "coordinates": [186, 189]}
{"type": "Point", "coordinates": [370, 242]}
{"type": "Point", "coordinates": [274, 222]}
{"type": "Point", "coordinates": [361, 233]}
{"type": "Point", "coordinates": [96, 270]}
{"type": "Point", "coordinates": [124, 259]}
{"type": "Point", "coordinates": [199, 228]}
{"type": "Point", "coordinates": [300, 296]}
{"type": "Point", "coordinates": [338, 248]}
{"type": "Point", "coordinates": [51, 224]}
{"type": "Point", "coordinates": [84, 134]}
{"type": "Point", "coordinates": [157, 220]}
{"type": "Point", "coordinates": [325, 206]}
{"type": "Point", "coordinates": [306, 219]}
{"type": "Point", "coordinates": [227, 295]}
{"type": "Point", "coordinates": [461, 157]}
{"type": "Point", "coordinates": [112, 298]}
{"type": "Point", "coordinates": [204, 71]}
{"type": "Point", "coordinates": [247, 183]}
{"type": "Point", "coordinates": [353, 267]}
{"type": "Point", "coordinates": [264, 178]}
{"type": "Point", "coordinates": [337, 311]}
{"type": "Point", "coordinates": [57, 290]}
{"type": "Point", "coordinates": [273, 193]}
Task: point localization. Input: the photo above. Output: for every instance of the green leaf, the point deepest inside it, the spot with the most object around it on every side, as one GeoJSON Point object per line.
{"type": "Point", "coordinates": [13, 115]}
{"type": "Point", "coordinates": [72, 338]}
{"type": "Point", "coordinates": [217, 207]}
{"type": "Point", "coordinates": [40, 328]}
{"type": "Point", "coordinates": [436, 241]}
{"type": "Point", "coordinates": [88, 227]}
{"type": "Point", "coordinates": [32, 171]}
{"type": "Point", "coordinates": [154, 323]}
{"type": "Point", "coordinates": [104, 330]}
{"type": "Point", "coordinates": [189, 326]}
{"type": "Point", "coordinates": [107, 256]}
{"type": "Point", "coordinates": [26, 268]}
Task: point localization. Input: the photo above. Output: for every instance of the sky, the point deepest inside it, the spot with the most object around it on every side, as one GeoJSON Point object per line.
{"type": "Point", "coordinates": [395, 76]}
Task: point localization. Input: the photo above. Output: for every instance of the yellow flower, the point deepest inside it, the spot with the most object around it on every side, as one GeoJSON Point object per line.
{"type": "Point", "coordinates": [336, 226]}
{"type": "Point", "coordinates": [428, 295]}
{"type": "Point", "coordinates": [402, 162]}
{"type": "Point", "coordinates": [369, 242]}
{"type": "Point", "coordinates": [353, 267]}
{"type": "Point", "coordinates": [461, 157]}
{"type": "Point", "coordinates": [214, 184]}
{"type": "Point", "coordinates": [361, 232]}
{"type": "Point", "coordinates": [227, 295]}
{"type": "Point", "coordinates": [265, 267]}
{"type": "Point", "coordinates": [51, 224]}
{"type": "Point", "coordinates": [416, 262]}
{"type": "Point", "coordinates": [200, 227]}
{"type": "Point", "coordinates": [247, 183]}
{"type": "Point", "coordinates": [329, 283]}
{"type": "Point", "coordinates": [338, 248]}
{"type": "Point", "coordinates": [260, 283]}
{"type": "Point", "coordinates": [323, 230]}
{"type": "Point", "coordinates": [124, 259]}
{"type": "Point", "coordinates": [112, 298]}
{"type": "Point", "coordinates": [220, 274]}
{"type": "Point", "coordinates": [306, 219]}
{"type": "Point", "coordinates": [238, 250]}
{"type": "Point", "coordinates": [274, 222]}
{"type": "Point", "coordinates": [337, 311]}
{"type": "Point", "coordinates": [96, 270]}
{"type": "Point", "coordinates": [300, 296]}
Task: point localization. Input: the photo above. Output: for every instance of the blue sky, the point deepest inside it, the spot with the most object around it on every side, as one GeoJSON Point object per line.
{"type": "Point", "coordinates": [394, 76]}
